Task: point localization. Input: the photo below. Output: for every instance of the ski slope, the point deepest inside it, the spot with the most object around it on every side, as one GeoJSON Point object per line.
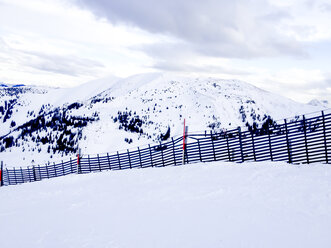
{"type": "Point", "coordinates": [199, 205]}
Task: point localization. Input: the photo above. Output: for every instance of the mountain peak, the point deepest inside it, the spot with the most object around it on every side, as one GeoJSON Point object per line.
{"type": "Point", "coordinates": [112, 113]}
{"type": "Point", "coordinates": [319, 103]}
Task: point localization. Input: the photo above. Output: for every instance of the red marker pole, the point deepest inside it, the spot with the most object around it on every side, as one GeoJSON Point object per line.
{"type": "Point", "coordinates": [184, 136]}
{"type": "Point", "coordinates": [78, 161]}
{"type": "Point", "coordinates": [184, 142]}
{"type": "Point", "coordinates": [1, 174]}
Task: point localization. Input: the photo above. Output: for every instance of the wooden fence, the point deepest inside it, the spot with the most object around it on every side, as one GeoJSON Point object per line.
{"type": "Point", "coordinates": [304, 139]}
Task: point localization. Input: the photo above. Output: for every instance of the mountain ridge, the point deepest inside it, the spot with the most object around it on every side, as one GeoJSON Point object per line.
{"type": "Point", "coordinates": [114, 113]}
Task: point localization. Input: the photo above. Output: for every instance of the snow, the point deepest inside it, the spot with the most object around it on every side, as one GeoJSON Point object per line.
{"type": "Point", "coordinates": [162, 100]}
{"type": "Point", "coordinates": [318, 103]}
{"type": "Point", "coordinates": [218, 204]}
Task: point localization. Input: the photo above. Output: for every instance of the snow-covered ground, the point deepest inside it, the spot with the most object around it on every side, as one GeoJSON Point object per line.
{"type": "Point", "coordinates": [199, 205]}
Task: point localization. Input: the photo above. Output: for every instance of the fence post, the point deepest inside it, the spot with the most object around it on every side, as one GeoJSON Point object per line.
{"type": "Point", "coordinates": [63, 170]}
{"type": "Point", "coordinates": [241, 145]}
{"type": "Point", "coordinates": [141, 165]}
{"type": "Point", "coordinates": [173, 149]}
{"type": "Point", "coordinates": [22, 176]}
{"type": "Point", "coordinates": [99, 162]}
{"type": "Point", "coordinates": [200, 156]}
{"type": "Point", "coordinates": [129, 159]}
{"type": "Point", "coordinates": [55, 168]}
{"type": "Point", "coordinates": [288, 144]}
{"type": "Point", "coordinates": [40, 176]}
{"type": "Point", "coordinates": [228, 146]}
{"type": "Point", "coordinates": [47, 171]}
{"type": "Point", "coordinates": [150, 154]}
{"type": "Point", "coordinates": [184, 142]}
{"type": "Point", "coordinates": [89, 163]}
{"type": "Point", "coordinates": [29, 174]}
{"type": "Point", "coordinates": [162, 157]}
{"type": "Point", "coordinates": [71, 170]}
{"type": "Point", "coordinates": [305, 136]}
{"type": "Point", "coordinates": [270, 147]}
{"type": "Point", "coordinates": [15, 175]}
{"type": "Point", "coordinates": [253, 144]}
{"type": "Point", "coordinates": [34, 173]}
{"type": "Point", "coordinates": [212, 143]}
{"type": "Point", "coordinates": [109, 165]}
{"type": "Point", "coordinates": [1, 174]}
{"type": "Point", "coordinates": [8, 177]}
{"type": "Point", "coordinates": [32, 177]}
{"type": "Point", "coordinates": [325, 143]}
{"type": "Point", "coordinates": [119, 162]}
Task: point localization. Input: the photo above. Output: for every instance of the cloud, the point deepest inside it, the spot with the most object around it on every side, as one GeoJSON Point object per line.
{"type": "Point", "coordinates": [301, 85]}
{"type": "Point", "coordinates": [68, 42]}
{"type": "Point", "coordinates": [52, 63]}
{"type": "Point", "coordinates": [326, 7]}
{"type": "Point", "coordinates": [209, 69]}
{"type": "Point", "coordinates": [216, 28]}
{"type": "Point", "coordinates": [63, 64]}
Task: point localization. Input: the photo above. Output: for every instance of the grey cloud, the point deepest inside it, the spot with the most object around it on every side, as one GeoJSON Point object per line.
{"type": "Point", "coordinates": [180, 67]}
{"type": "Point", "coordinates": [276, 15]}
{"type": "Point", "coordinates": [305, 31]}
{"type": "Point", "coordinates": [67, 65]}
{"type": "Point", "coordinates": [2, 43]}
{"type": "Point", "coordinates": [321, 85]}
{"type": "Point", "coordinates": [60, 64]}
{"type": "Point", "coordinates": [319, 5]}
{"type": "Point", "coordinates": [325, 7]}
{"type": "Point", "coordinates": [168, 52]}
{"type": "Point", "coordinates": [311, 90]}
{"type": "Point", "coordinates": [170, 60]}
{"type": "Point", "coordinates": [327, 83]}
{"type": "Point", "coordinates": [316, 86]}
{"type": "Point", "coordinates": [217, 28]}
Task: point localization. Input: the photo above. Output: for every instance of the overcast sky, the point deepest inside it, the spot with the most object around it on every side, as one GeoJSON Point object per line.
{"type": "Point", "coordinates": [278, 45]}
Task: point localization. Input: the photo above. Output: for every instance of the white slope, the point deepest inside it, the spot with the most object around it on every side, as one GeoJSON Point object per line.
{"type": "Point", "coordinates": [84, 92]}
{"type": "Point", "coordinates": [199, 205]}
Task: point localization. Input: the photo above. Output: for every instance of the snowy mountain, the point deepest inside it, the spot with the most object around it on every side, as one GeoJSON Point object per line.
{"type": "Point", "coordinates": [319, 103]}
{"type": "Point", "coordinates": [11, 85]}
{"type": "Point", "coordinates": [39, 124]}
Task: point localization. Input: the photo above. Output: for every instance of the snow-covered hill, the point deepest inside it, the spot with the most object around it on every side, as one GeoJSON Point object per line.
{"type": "Point", "coordinates": [322, 103]}
{"type": "Point", "coordinates": [219, 204]}
{"type": "Point", "coordinates": [48, 124]}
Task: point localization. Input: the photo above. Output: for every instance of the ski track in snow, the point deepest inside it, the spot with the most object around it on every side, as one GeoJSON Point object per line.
{"type": "Point", "coordinates": [219, 204]}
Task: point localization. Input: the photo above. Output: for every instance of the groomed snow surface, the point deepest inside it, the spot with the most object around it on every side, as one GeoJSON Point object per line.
{"type": "Point", "coordinates": [217, 204]}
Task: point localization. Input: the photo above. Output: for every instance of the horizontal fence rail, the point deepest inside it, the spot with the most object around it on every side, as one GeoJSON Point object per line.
{"type": "Point", "coordinates": [305, 139]}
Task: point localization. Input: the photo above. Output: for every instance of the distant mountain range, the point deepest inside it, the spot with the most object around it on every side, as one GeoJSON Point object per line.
{"type": "Point", "coordinates": [40, 124]}
{"type": "Point", "coordinates": [319, 103]}
{"type": "Point", "coordinates": [11, 85]}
